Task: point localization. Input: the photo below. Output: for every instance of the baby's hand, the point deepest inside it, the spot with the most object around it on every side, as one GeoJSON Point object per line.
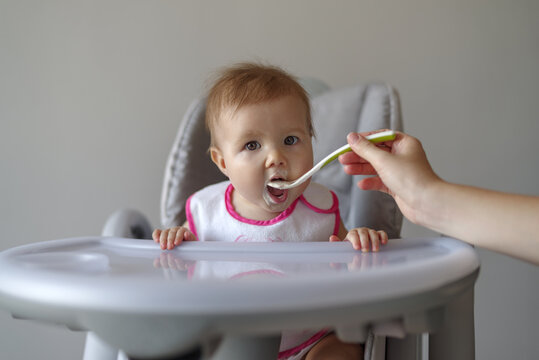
{"type": "Point", "coordinates": [364, 239]}
{"type": "Point", "coordinates": [169, 238]}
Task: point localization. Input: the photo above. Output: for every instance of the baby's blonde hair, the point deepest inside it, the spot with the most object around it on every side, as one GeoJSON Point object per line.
{"type": "Point", "coordinates": [251, 83]}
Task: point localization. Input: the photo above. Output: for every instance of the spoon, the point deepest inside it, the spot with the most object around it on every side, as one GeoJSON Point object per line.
{"type": "Point", "coordinates": [375, 138]}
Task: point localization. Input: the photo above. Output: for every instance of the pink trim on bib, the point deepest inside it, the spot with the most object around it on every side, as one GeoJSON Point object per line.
{"type": "Point", "coordinates": [332, 209]}
{"type": "Point", "coordinates": [235, 215]}
{"type": "Point", "coordinates": [286, 353]}
{"type": "Point", "coordinates": [189, 216]}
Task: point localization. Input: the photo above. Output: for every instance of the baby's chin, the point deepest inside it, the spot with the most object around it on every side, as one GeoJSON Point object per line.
{"type": "Point", "coordinates": [276, 208]}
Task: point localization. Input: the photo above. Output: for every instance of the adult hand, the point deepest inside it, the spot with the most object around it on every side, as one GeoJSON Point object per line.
{"type": "Point", "coordinates": [503, 222]}
{"type": "Point", "coordinates": [400, 167]}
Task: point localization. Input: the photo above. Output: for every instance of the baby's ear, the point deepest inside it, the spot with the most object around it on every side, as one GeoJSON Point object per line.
{"type": "Point", "coordinates": [218, 159]}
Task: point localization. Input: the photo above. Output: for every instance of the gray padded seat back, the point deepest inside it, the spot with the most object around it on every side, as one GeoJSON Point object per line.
{"type": "Point", "coordinates": [189, 167]}
{"type": "Point", "coordinates": [335, 113]}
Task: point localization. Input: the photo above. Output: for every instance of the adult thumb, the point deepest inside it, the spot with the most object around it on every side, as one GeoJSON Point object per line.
{"type": "Point", "coordinates": [364, 147]}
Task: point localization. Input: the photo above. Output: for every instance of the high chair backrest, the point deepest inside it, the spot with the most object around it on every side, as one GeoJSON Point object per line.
{"type": "Point", "coordinates": [335, 113]}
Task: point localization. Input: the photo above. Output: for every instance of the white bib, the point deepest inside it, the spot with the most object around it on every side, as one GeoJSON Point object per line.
{"type": "Point", "coordinates": [314, 216]}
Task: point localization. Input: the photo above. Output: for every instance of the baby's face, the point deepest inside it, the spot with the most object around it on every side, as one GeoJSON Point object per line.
{"type": "Point", "coordinates": [260, 143]}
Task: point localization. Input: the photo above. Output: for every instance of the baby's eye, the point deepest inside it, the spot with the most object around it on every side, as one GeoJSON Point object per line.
{"type": "Point", "coordinates": [252, 145]}
{"type": "Point", "coordinates": [291, 140]}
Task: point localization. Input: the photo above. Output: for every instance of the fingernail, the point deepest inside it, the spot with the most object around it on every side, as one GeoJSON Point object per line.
{"type": "Point", "coordinates": [353, 137]}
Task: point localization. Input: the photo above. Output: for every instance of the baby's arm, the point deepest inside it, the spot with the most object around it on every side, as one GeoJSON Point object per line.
{"type": "Point", "coordinates": [174, 236]}
{"type": "Point", "coordinates": [362, 238]}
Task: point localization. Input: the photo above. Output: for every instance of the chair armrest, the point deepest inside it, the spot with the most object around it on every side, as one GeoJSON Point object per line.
{"type": "Point", "coordinates": [127, 223]}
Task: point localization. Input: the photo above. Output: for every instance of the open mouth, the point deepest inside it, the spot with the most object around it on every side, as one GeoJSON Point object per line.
{"type": "Point", "coordinates": [276, 195]}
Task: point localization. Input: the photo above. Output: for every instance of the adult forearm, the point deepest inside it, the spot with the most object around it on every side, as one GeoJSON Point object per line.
{"type": "Point", "coordinates": [502, 222]}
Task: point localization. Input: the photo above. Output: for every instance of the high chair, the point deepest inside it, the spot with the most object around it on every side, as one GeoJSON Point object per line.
{"type": "Point", "coordinates": [335, 113]}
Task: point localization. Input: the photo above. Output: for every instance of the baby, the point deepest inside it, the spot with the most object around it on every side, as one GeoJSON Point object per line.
{"type": "Point", "coordinates": [260, 126]}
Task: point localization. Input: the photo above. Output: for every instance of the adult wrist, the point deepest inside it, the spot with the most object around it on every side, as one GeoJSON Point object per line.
{"type": "Point", "coordinates": [430, 208]}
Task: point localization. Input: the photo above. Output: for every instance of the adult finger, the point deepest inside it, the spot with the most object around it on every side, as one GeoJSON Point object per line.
{"type": "Point", "coordinates": [373, 183]}
{"type": "Point", "coordinates": [364, 148]}
{"type": "Point", "coordinates": [351, 158]}
{"type": "Point", "coordinates": [359, 169]}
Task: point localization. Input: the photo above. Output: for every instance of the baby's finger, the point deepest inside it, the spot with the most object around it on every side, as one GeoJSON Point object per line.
{"type": "Point", "coordinates": [384, 239]}
{"type": "Point", "coordinates": [375, 240]}
{"type": "Point", "coordinates": [364, 239]}
{"type": "Point", "coordinates": [156, 234]}
{"type": "Point", "coordinates": [354, 238]}
{"type": "Point", "coordinates": [189, 236]}
{"type": "Point", "coordinates": [171, 238]}
{"type": "Point", "coordinates": [163, 239]}
{"type": "Point", "coordinates": [180, 235]}
{"type": "Point", "coordinates": [334, 238]}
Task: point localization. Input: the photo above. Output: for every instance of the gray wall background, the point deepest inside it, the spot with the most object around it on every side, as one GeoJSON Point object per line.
{"type": "Point", "coordinates": [91, 94]}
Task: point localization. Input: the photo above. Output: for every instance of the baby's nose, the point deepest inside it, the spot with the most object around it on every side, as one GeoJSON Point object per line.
{"type": "Point", "coordinates": [275, 158]}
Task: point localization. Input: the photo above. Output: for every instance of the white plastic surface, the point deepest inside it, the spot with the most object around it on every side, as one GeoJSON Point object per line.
{"type": "Point", "coordinates": [104, 272]}
{"type": "Point", "coordinates": [113, 286]}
